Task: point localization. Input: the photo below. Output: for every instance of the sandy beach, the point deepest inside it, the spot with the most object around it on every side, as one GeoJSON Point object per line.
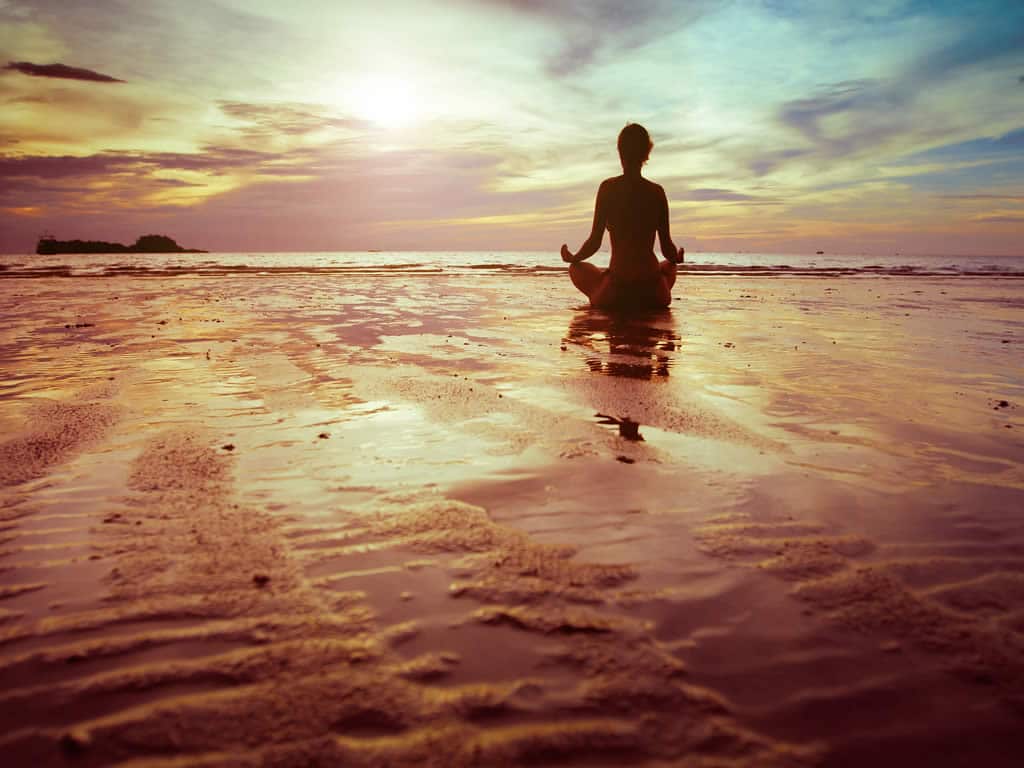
{"type": "Point", "coordinates": [434, 520]}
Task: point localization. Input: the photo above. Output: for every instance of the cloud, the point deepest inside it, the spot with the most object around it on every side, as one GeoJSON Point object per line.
{"type": "Point", "coordinates": [337, 195]}
{"type": "Point", "coordinates": [394, 200]}
{"type": "Point", "coordinates": [762, 163]}
{"type": "Point", "coordinates": [846, 118]}
{"type": "Point", "coordinates": [805, 115]}
{"type": "Point", "coordinates": [162, 41]}
{"type": "Point", "coordinates": [61, 71]}
{"type": "Point", "coordinates": [126, 183]}
{"type": "Point", "coordinates": [708, 193]}
{"type": "Point", "coordinates": [984, 148]}
{"type": "Point", "coordinates": [982, 196]}
{"type": "Point", "coordinates": [595, 29]}
{"type": "Point", "coordinates": [213, 160]}
{"type": "Point", "coordinates": [28, 100]}
{"type": "Point", "coordinates": [976, 44]}
{"type": "Point", "coordinates": [288, 119]}
{"type": "Point", "coordinates": [999, 219]}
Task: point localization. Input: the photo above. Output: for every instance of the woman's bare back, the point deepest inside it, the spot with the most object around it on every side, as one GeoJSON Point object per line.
{"type": "Point", "coordinates": [634, 209]}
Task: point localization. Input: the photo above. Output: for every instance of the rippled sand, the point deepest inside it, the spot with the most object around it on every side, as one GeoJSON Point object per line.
{"type": "Point", "coordinates": [388, 520]}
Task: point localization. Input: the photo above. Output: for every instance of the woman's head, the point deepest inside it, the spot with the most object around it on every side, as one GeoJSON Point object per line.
{"type": "Point", "coordinates": [635, 145]}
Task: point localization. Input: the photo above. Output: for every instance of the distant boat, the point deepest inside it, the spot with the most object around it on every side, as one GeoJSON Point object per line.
{"type": "Point", "coordinates": [819, 252]}
{"type": "Point", "coordinates": [49, 245]}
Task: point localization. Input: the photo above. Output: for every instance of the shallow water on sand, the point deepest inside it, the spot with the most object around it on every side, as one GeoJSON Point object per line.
{"type": "Point", "coordinates": [301, 517]}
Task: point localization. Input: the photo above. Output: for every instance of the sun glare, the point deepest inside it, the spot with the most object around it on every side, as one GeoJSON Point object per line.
{"type": "Point", "coordinates": [387, 101]}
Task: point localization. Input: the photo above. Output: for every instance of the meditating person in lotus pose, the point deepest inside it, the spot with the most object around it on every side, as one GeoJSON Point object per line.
{"type": "Point", "coordinates": [633, 209]}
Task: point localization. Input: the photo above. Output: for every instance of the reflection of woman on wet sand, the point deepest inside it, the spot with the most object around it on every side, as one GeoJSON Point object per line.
{"type": "Point", "coordinates": [633, 209]}
{"type": "Point", "coordinates": [638, 346]}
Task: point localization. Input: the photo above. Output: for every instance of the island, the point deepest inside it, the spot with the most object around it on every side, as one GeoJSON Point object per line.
{"type": "Point", "coordinates": [146, 244]}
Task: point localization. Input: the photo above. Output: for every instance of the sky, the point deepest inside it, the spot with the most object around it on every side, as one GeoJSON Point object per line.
{"type": "Point", "coordinates": [870, 126]}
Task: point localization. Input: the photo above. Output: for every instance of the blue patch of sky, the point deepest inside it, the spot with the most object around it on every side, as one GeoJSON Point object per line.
{"type": "Point", "coordinates": [979, 42]}
{"type": "Point", "coordinates": [997, 9]}
{"type": "Point", "coordinates": [988, 176]}
{"type": "Point", "coordinates": [988, 148]}
{"type": "Point", "coordinates": [888, 11]}
{"type": "Point", "coordinates": [974, 21]}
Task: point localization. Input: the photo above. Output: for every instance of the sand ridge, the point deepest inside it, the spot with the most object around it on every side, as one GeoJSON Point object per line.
{"type": "Point", "coordinates": [952, 619]}
{"type": "Point", "coordinates": [56, 429]}
{"type": "Point", "coordinates": [295, 664]}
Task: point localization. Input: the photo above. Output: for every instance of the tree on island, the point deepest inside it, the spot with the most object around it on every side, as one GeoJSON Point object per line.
{"type": "Point", "coordinates": [145, 244]}
{"type": "Point", "coordinates": [156, 244]}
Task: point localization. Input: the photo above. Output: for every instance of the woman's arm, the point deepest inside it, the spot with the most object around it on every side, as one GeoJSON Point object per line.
{"type": "Point", "coordinates": [592, 243]}
{"type": "Point", "coordinates": [668, 248]}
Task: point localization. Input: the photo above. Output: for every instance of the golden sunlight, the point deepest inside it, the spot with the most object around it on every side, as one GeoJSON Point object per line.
{"type": "Point", "coordinates": [386, 100]}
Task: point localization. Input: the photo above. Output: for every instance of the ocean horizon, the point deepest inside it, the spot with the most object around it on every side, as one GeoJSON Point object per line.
{"type": "Point", "coordinates": [503, 262]}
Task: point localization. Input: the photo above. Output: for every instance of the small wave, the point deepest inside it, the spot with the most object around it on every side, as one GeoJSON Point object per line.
{"type": "Point", "coordinates": [870, 270]}
{"type": "Point", "coordinates": [208, 268]}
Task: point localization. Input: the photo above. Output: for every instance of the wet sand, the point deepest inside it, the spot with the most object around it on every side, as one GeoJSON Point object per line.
{"type": "Point", "coordinates": [381, 520]}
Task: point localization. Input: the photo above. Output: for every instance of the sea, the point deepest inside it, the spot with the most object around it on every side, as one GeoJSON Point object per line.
{"type": "Point", "coordinates": [492, 262]}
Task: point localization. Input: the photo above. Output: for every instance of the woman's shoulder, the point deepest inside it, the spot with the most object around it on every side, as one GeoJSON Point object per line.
{"type": "Point", "coordinates": [618, 181]}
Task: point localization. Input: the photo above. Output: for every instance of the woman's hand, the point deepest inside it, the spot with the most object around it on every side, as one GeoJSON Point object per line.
{"type": "Point", "coordinates": [679, 256]}
{"type": "Point", "coordinates": [567, 254]}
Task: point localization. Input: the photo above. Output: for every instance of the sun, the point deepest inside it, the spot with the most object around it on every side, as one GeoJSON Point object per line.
{"type": "Point", "coordinates": [386, 100]}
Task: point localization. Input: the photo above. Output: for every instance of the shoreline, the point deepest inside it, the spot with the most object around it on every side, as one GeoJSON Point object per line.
{"type": "Point", "coordinates": [422, 536]}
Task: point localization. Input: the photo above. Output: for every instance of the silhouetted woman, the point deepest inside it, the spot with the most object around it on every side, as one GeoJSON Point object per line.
{"type": "Point", "coordinates": [633, 209]}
